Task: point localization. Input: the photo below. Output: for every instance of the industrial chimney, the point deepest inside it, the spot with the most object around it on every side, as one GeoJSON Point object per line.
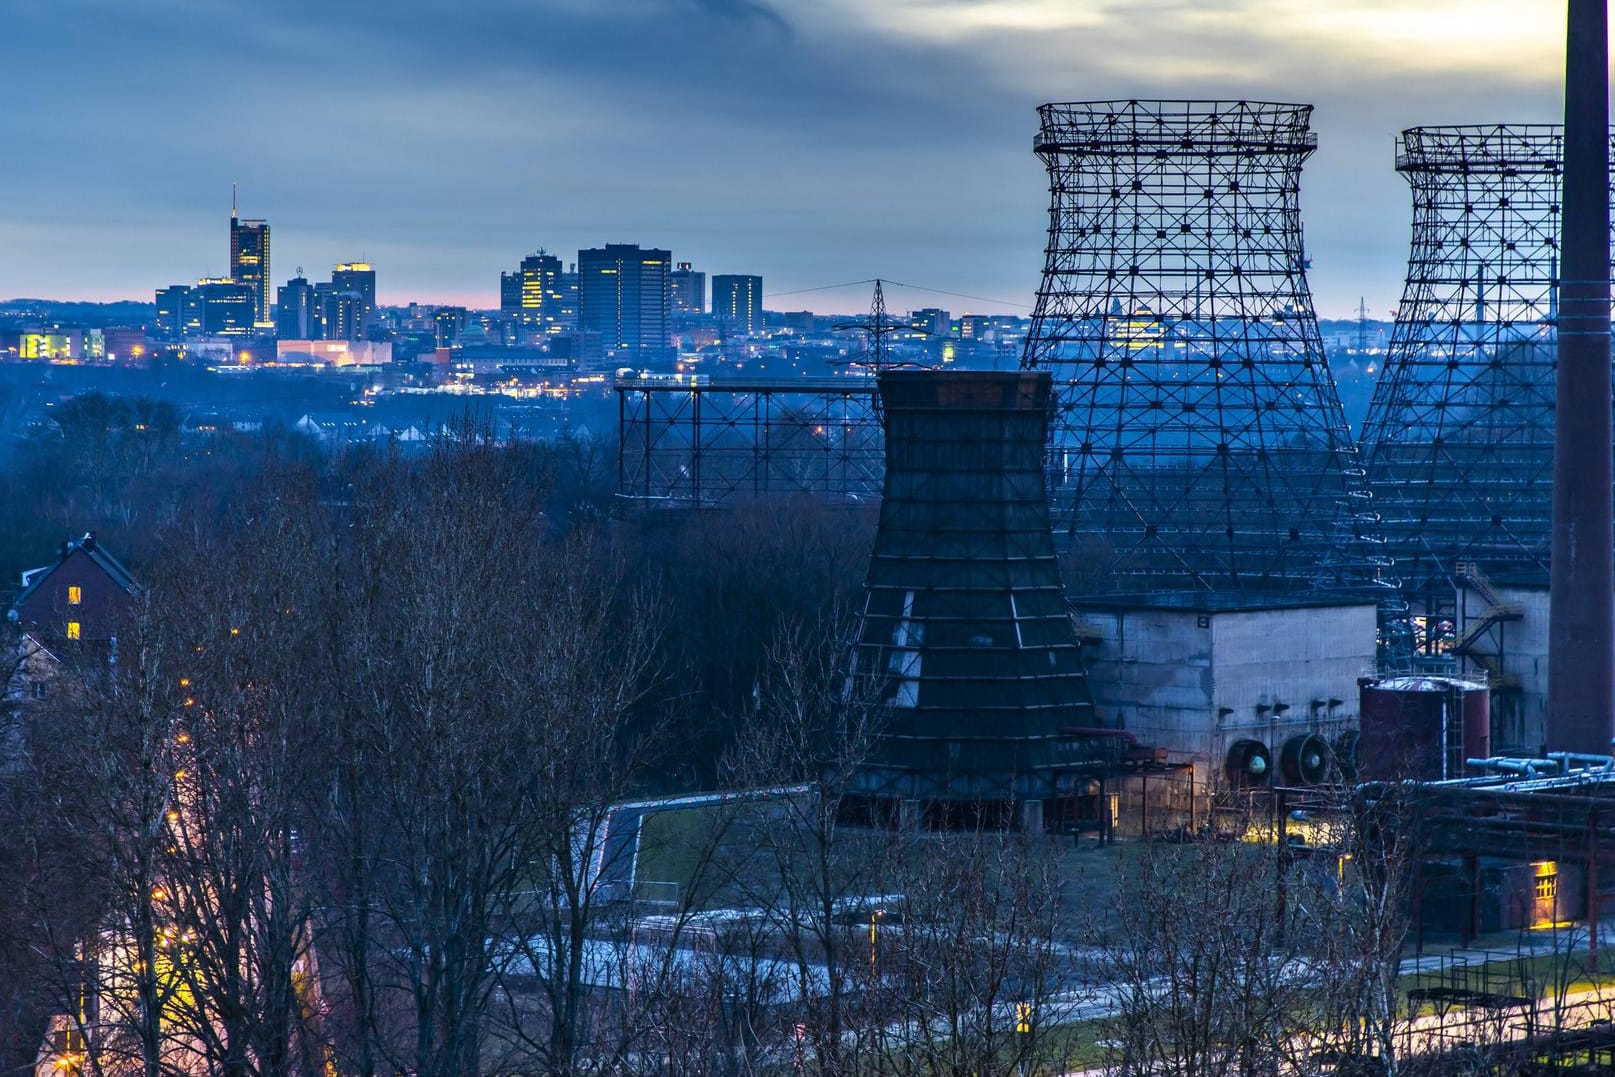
{"type": "Point", "coordinates": [1581, 640]}
{"type": "Point", "coordinates": [965, 632]}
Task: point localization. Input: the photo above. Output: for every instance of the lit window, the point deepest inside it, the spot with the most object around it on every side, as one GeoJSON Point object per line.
{"type": "Point", "coordinates": [75, 595]}
{"type": "Point", "coordinates": [72, 630]}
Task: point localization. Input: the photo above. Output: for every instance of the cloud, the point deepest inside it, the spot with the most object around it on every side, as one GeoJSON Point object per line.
{"type": "Point", "coordinates": [750, 11]}
{"type": "Point", "coordinates": [818, 141]}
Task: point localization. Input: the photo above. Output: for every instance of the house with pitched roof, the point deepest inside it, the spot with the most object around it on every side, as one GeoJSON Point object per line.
{"type": "Point", "coordinates": [70, 610]}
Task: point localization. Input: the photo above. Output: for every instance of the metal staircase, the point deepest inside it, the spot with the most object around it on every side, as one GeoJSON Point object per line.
{"type": "Point", "coordinates": [1477, 642]}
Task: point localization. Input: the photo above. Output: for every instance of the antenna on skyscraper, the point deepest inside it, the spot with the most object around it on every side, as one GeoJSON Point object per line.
{"type": "Point", "coordinates": [232, 201]}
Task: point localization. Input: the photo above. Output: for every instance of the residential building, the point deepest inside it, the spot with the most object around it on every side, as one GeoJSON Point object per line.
{"type": "Point", "coordinates": [689, 290]}
{"type": "Point", "coordinates": [737, 301]}
{"type": "Point", "coordinates": [77, 604]}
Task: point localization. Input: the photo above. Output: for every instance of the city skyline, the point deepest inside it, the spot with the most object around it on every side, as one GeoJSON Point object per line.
{"type": "Point", "coordinates": [810, 147]}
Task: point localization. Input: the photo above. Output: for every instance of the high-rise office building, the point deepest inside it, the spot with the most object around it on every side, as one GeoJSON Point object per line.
{"type": "Point", "coordinates": [249, 263]}
{"type": "Point", "coordinates": [226, 306]}
{"type": "Point", "coordinates": [738, 303]}
{"type": "Point", "coordinates": [294, 310]}
{"type": "Point", "coordinates": [357, 279]}
{"type": "Point", "coordinates": [624, 295]}
{"type": "Point", "coordinates": [534, 295]}
{"type": "Point", "coordinates": [173, 306]}
{"type": "Point", "coordinates": [510, 293]}
{"type": "Point", "coordinates": [339, 314]}
{"type": "Point", "coordinates": [568, 286]}
{"type": "Point", "coordinates": [448, 323]}
{"type": "Point", "coordinates": [932, 321]}
{"type": "Point", "coordinates": [689, 288]}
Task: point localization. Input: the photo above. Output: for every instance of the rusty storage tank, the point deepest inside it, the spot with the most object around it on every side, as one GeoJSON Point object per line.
{"type": "Point", "coordinates": [1421, 727]}
{"type": "Point", "coordinates": [965, 633]}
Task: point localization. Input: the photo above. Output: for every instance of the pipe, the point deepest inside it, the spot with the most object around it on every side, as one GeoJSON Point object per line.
{"type": "Point", "coordinates": [1099, 732]}
{"type": "Point", "coordinates": [1587, 762]}
{"type": "Point", "coordinates": [1507, 765]}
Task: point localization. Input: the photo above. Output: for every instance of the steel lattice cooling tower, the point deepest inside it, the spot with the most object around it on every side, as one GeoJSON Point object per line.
{"type": "Point", "coordinates": [965, 633]}
{"type": "Point", "coordinates": [1199, 442]}
{"type": "Point", "coordinates": [1459, 438]}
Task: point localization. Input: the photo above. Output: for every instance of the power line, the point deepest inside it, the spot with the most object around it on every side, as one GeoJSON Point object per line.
{"type": "Point", "coordinates": [902, 284]}
{"type": "Point", "coordinates": [824, 287]}
{"type": "Point", "coordinates": [960, 295]}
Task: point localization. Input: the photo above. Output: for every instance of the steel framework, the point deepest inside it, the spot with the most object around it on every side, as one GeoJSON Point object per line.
{"type": "Point", "coordinates": [1459, 438]}
{"type": "Point", "coordinates": [684, 440]}
{"type": "Point", "coordinates": [1198, 442]}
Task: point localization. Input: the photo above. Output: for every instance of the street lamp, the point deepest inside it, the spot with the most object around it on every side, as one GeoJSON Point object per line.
{"type": "Point", "coordinates": [874, 918]}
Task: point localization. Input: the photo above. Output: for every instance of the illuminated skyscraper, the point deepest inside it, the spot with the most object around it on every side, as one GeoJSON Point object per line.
{"type": "Point", "coordinates": [249, 263]}
{"type": "Point", "coordinates": [533, 293]}
{"type": "Point", "coordinates": [173, 305]}
{"type": "Point", "coordinates": [226, 306]}
{"type": "Point", "coordinates": [448, 323]}
{"type": "Point", "coordinates": [624, 294]}
{"type": "Point", "coordinates": [357, 279]}
{"type": "Point", "coordinates": [568, 284]}
{"type": "Point", "coordinates": [689, 287]}
{"type": "Point", "coordinates": [339, 314]}
{"type": "Point", "coordinates": [738, 303]}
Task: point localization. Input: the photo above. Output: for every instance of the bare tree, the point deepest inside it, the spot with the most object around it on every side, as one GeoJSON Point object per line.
{"type": "Point", "coordinates": [103, 751]}
{"type": "Point", "coordinates": [970, 967]}
{"type": "Point", "coordinates": [238, 916]}
{"type": "Point", "coordinates": [1206, 979]}
{"type": "Point", "coordinates": [485, 673]}
{"type": "Point", "coordinates": [809, 873]}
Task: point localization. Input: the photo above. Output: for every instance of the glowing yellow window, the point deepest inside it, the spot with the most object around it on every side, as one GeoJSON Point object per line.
{"type": "Point", "coordinates": [72, 630]}
{"type": "Point", "coordinates": [75, 595]}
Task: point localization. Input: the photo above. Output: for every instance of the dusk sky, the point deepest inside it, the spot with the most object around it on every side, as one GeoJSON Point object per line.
{"type": "Point", "coordinates": [814, 141]}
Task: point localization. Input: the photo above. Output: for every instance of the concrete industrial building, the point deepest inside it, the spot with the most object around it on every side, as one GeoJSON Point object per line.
{"type": "Point", "coordinates": [1199, 677]}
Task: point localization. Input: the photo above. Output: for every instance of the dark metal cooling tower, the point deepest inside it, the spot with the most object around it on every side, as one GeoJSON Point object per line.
{"type": "Point", "coordinates": [965, 631]}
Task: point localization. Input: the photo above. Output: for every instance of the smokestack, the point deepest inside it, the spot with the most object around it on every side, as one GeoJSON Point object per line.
{"type": "Point", "coordinates": [1581, 641]}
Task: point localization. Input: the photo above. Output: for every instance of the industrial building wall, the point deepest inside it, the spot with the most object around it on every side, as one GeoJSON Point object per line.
{"type": "Point", "coordinates": [1517, 652]}
{"type": "Point", "coordinates": [1194, 682]}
